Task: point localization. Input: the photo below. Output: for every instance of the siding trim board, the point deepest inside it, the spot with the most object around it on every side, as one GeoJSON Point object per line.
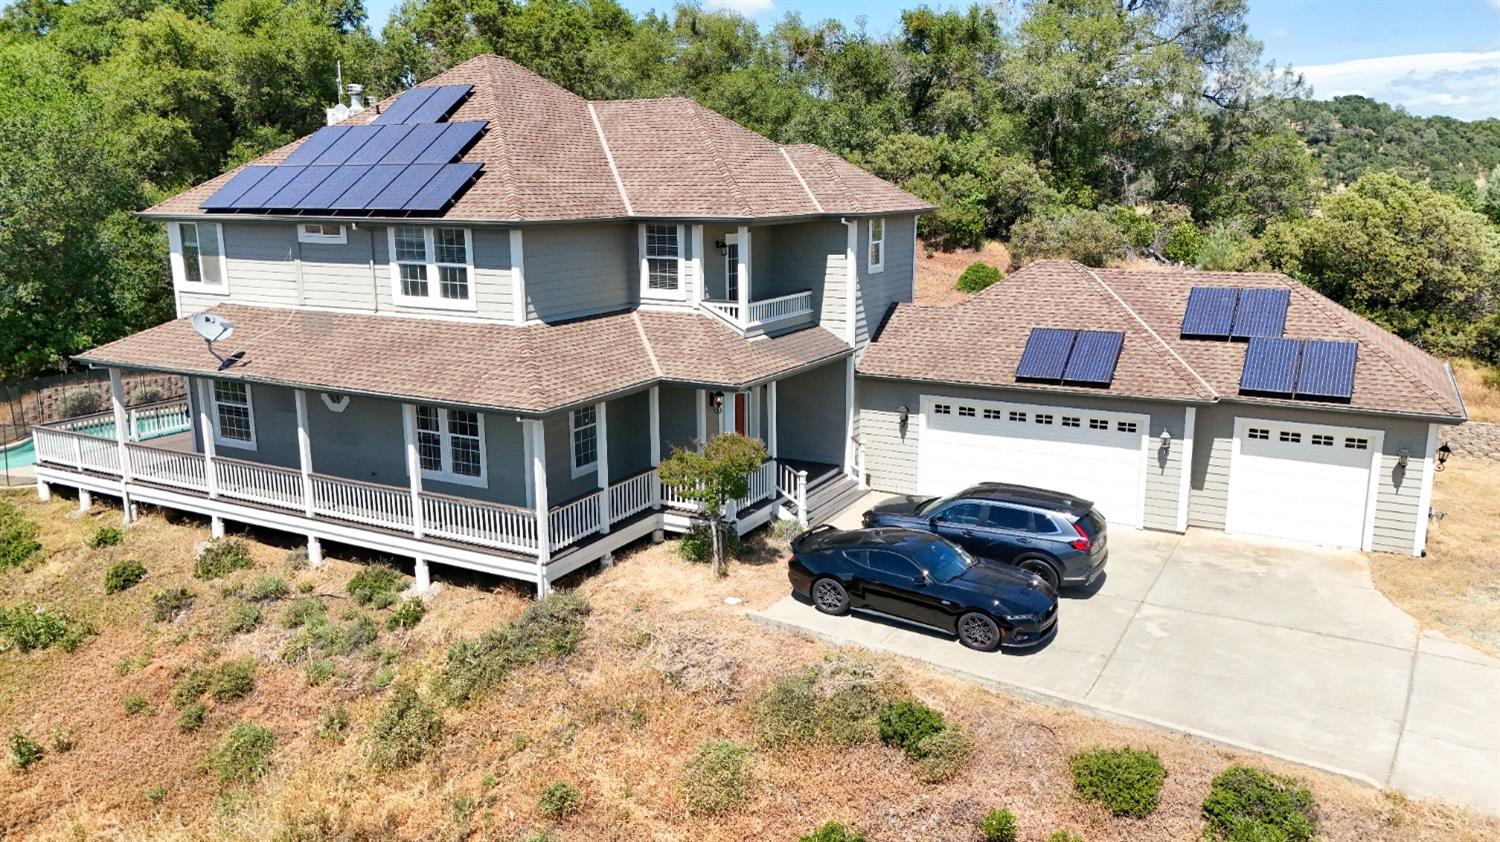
{"type": "Point", "coordinates": [1424, 499]}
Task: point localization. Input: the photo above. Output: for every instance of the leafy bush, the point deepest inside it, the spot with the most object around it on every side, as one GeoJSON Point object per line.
{"type": "Point", "coordinates": [998, 826]}
{"type": "Point", "coordinates": [1064, 836]}
{"type": "Point", "coordinates": [335, 722]}
{"type": "Point", "coordinates": [977, 277]}
{"type": "Point", "coordinates": [241, 617]}
{"type": "Point", "coordinates": [168, 604]}
{"type": "Point", "coordinates": [558, 800]}
{"type": "Point", "coordinates": [1087, 236]}
{"type": "Point", "coordinates": [233, 679]}
{"type": "Point", "coordinates": [80, 402]}
{"type": "Point", "coordinates": [696, 544]}
{"type": "Point", "coordinates": [1250, 805]}
{"type": "Point", "coordinates": [191, 686]}
{"type": "Point", "coordinates": [191, 718]}
{"type": "Point", "coordinates": [942, 755]}
{"type": "Point", "coordinates": [319, 671]}
{"type": "Point", "coordinates": [376, 586]}
{"type": "Point", "coordinates": [905, 724]}
{"type": "Point", "coordinates": [106, 536]}
{"type": "Point", "coordinates": [301, 610]}
{"type": "Point", "coordinates": [221, 557]}
{"type": "Point", "coordinates": [135, 703]}
{"type": "Point", "coordinates": [406, 729]}
{"type": "Point", "coordinates": [63, 740]}
{"type": "Point", "coordinates": [407, 614]}
{"type": "Point", "coordinates": [831, 703]}
{"type": "Point", "coordinates": [30, 626]}
{"type": "Point", "coordinates": [1184, 242]}
{"type": "Point", "coordinates": [24, 751]}
{"type": "Point", "coordinates": [833, 832]}
{"type": "Point", "coordinates": [550, 628]}
{"type": "Point", "coordinates": [268, 588]}
{"type": "Point", "coordinates": [716, 777]}
{"type": "Point", "coordinates": [244, 753]}
{"type": "Point", "coordinates": [321, 637]}
{"type": "Point", "coordinates": [146, 394]}
{"type": "Point", "coordinates": [1126, 780]}
{"type": "Point", "coordinates": [123, 575]}
{"type": "Point", "coordinates": [383, 677]}
{"type": "Point", "coordinates": [18, 544]}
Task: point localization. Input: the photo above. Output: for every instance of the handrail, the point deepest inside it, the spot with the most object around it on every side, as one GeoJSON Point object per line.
{"type": "Point", "coordinates": [566, 524]}
{"type": "Point", "coordinates": [760, 312]}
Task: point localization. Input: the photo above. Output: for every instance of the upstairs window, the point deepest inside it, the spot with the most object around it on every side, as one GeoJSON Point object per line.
{"type": "Point", "coordinates": [450, 445]}
{"type": "Point", "coordinates": [322, 232]}
{"type": "Point", "coordinates": [661, 261]}
{"type": "Point", "coordinates": [877, 245]}
{"type": "Point", "coordinates": [234, 415]}
{"type": "Point", "coordinates": [198, 256]}
{"type": "Point", "coordinates": [432, 267]}
{"type": "Point", "coordinates": [584, 444]}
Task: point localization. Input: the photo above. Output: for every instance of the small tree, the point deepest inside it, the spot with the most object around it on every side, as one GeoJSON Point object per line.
{"type": "Point", "coordinates": [720, 472]}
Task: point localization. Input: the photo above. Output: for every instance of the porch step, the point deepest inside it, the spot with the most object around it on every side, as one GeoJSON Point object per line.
{"type": "Point", "coordinates": [830, 498]}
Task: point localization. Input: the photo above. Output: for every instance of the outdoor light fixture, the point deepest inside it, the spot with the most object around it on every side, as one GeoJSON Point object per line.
{"type": "Point", "coordinates": [904, 413]}
{"type": "Point", "coordinates": [722, 246]}
{"type": "Point", "coordinates": [1402, 459]}
{"type": "Point", "coordinates": [1443, 453]}
{"type": "Point", "coordinates": [716, 400]}
{"type": "Point", "coordinates": [1166, 439]}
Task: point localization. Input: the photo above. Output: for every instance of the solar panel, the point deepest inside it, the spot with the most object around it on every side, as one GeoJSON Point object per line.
{"type": "Point", "coordinates": [385, 139]}
{"type": "Point", "coordinates": [1261, 312]}
{"type": "Point", "coordinates": [440, 104]}
{"type": "Point", "coordinates": [404, 105]}
{"type": "Point", "coordinates": [353, 139]}
{"type": "Point", "coordinates": [297, 188]}
{"type": "Point", "coordinates": [437, 193]}
{"type": "Point", "coordinates": [451, 143]}
{"type": "Point", "coordinates": [325, 194]}
{"type": "Point", "coordinates": [1046, 353]}
{"type": "Point", "coordinates": [243, 180]}
{"type": "Point", "coordinates": [1210, 312]}
{"type": "Point", "coordinates": [1094, 357]}
{"type": "Point", "coordinates": [1270, 366]}
{"type": "Point", "coordinates": [415, 143]}
{"type": "Point", "coordinates": [1326, 369]}
{"type": "Point", "coordinates": [255, 198]}
{"type": "Point", "coordinates": [366, 188]}
{"type": "Point", "coordinates": [315, 145]}
{"type": "Point", "coordinates": [404, 186]}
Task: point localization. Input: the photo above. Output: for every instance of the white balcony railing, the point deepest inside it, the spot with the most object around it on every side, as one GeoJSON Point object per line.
{"type": "Point", "coordinates": [574, 520]}
{"type": "Point", "coordinates": [267, 485]}
{"type": "Point", "coordinates": [474, 522]}
{"type": "Point", "coordinates": [764, 312]}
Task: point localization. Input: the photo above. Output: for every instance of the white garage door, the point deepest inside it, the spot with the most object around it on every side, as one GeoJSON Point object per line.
{"type": "Point", "coordinates": [1098, 456]}
{"type": "Point", "coordinates": [1304, 482]}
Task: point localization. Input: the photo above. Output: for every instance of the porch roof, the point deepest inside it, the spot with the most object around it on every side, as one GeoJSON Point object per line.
{"type": "Point", "coordinates": [533, 369]}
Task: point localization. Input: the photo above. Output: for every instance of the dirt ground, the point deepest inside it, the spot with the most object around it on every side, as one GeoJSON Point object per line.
{"type": "Point", "coordinates": [1481, 399]}
{"type": "Point", "coordinates": [938, 270]}
{"type": "Point", "coordinates": [606, 719]}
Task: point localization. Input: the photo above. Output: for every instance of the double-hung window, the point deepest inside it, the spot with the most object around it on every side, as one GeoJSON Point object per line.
{"type": "Point", "coordinates": [432, 267]}
{"type": "Point", "coordinates": [450, 445]}
{"type": "Point", "coordinates": [877, 245]}
{"type": "Point", "coordinates": [234, 414]}
{"type": "Point", "coordinates": [661, 261]}
{"type": "Point", "coordinates": [198, 256]}
{"type": "Point", "coordinates": [584, 442]}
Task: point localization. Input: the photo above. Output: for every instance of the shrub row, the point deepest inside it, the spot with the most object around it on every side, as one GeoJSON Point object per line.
{"type": "Point", "coordinates": [549, 628]}
{"type": "Point", "coordinates": [29, 627]}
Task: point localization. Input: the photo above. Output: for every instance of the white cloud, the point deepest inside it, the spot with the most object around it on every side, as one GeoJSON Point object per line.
{"type": "Point", "coordinates": [1460, 84]}
{"type": "Point", "coordinates": [751, 8]}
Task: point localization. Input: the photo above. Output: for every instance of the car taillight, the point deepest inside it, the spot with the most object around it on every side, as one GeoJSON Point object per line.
{"type": "Point", "coordinates": [1083, 544]}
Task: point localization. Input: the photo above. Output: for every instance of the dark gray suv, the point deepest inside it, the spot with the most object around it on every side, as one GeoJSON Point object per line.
{"type": "Point", "coordinates": [1060, 538]}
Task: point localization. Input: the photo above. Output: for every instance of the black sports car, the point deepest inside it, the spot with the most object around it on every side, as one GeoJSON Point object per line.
{"type": "Point", "coordinates": [924, 579]}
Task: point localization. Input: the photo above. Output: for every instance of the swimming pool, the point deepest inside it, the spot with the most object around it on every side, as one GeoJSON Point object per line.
{"type": "Point", "coordinates": [23, 453]}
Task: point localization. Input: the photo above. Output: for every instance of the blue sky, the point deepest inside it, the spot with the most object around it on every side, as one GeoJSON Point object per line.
{"type": "Point", "coordinates": [1431, 56]}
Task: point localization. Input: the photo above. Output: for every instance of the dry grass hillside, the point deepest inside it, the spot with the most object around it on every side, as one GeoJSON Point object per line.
{"type": "Point", "coordinates": [1480, 387]}
{"type": "Point", "coordinates": [662, 665]}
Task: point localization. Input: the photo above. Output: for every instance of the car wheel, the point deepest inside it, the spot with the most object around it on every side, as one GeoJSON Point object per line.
{"type": "Point", "coordinates": [978, 632]}
{"type": "Point", "coordinates": [830, 597]}
{"type": "Point", "coordinates": [1042, 569]}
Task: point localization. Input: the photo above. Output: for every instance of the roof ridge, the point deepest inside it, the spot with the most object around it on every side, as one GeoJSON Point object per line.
{"type": "Point", "coordinates": [786, 156]}
{"type": "Point", "coordinates": [833, 176]}
{"type": "Point", "coordinates": [695, 115]}
{"type": "Point", "coordinates": [504, 160]}
{"type": "Point", "coordinates": [1161, 343]}
{"type": "Point", "coordinates": [610, 158]}
{"type": "Point", "coordinates": [635, 316]}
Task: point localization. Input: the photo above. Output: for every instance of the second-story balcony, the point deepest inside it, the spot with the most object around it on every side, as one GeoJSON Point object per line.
{"type": "Point", "coordinates": [767, 315]}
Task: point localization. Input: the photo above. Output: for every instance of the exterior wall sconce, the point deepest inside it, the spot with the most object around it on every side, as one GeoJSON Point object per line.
{"type": "Point", "coordinates": [1403, 458]}
{"type": "Point", "coordinates": [1166, 439]}
{"type": "Point", "coordinates": [903, 414]}
{"type": "Point", "coordinates": [723, 248]}
{"type": "Point", "coordinates": [1442, 454]}
{"type": "Point", "coordinates": [716, 402]}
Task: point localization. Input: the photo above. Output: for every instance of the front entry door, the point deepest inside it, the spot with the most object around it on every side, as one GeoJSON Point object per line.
{"type": "Point", "coordinates": [740, 415]}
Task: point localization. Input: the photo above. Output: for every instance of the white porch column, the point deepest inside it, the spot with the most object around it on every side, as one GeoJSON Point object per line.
{"type": "Point", "coordinates": [702, 398]}
{"type": "Point", "coordinates": [537, 435]}
{"type": "Point", "coordinates": [696, 291]}
{"type": "Point", "coordinates": [655, 426]}
{"type": "Point", "coordinates": [601, 416]}
{"type": "Point", "coordinates": [849, 416]}
{"type": "Point", "coordinates": [771, 419]}
{"type": "Point", "coordinates": [122, 434]}
{"type": "Point", "coordinates": [423, 573]}
{"type": "Point", "coordinates": [304, 462]}
{"type": "Point", "coordinates": [206, 435]}
{"type": "Point", "coordinates": [743, 239]}
{"type": "Point", "coordinates": [413, 465]}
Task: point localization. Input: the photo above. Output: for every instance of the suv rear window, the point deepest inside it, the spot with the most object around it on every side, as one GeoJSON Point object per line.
{"type": "Point", "coordinates": [1092, 523]}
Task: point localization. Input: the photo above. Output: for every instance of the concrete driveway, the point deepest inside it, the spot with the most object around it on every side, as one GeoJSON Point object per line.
{"type": "Point", "coordinates": [1283, 649]}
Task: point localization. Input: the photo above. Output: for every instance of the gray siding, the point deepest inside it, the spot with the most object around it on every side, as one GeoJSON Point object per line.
{"type": "Point", "coordinates": [679, 418]}
{"type": "Point", "coordinates": [492, 276]}
{"type": "Point", "coordinates": [259, 261]}
{"type": "Point", "coordinates": [580, 270]}
{"type": "Point", "coordinates": [876, 292]}
{"type": "Point", "coordinates": [342, 277]}
{"type": "Point", "coordinates": [629, 439]}
{"type": "Point", "coordinates": [808, 255]}
{"type": "Point", "coordinates": [810, 415]}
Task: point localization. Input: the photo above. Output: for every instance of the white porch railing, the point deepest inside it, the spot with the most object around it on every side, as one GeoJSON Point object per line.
{"type": "Point", "coordinates": [168, 467]}
{"type": "Point", "coordinates": [144, 422]}
{"type": "Point", "coordinates": [570, 522]}
{"type": "Point", "coordinates": [268, 485]}
{"type": "Point", "coordinates": [761, 312]}
{"type": "Point", "coordinates": [792, 484]}
{"type": "Point", "coordinates": [362, 502]}
{"type": "Point", "coordinates": [473, 522]}
{"type": "Point", "coordinates": [728, 309]}
{"type": "Point", "coordinates": [632, 496]}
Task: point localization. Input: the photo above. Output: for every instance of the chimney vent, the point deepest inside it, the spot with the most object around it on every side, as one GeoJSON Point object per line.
{"type": "Point", "coordinates": [356, 98]}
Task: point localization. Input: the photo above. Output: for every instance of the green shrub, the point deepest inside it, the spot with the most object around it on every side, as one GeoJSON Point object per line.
{"type": "Point", "coordinates": [549, 628]}
{"type": "Point", "coordinates": [63, 740]}
{"type": "Point", "coordinates": [1184, 242]}
{"type": "Point", "coordinates": [1064, 836]}
{"type": "Point", "coordinates": [832, 832]}
{"type": "Point", "coordinates": [221, 557]}
{"type": "Point", "coordinates": [24, 751]}
{"type": "Point", "coordinates": [156, 794]}
{"type": "Point", "coordinates": [297, 559]}
{"type": "Point", "coordinates": [123, 575]}
{"type": "Point", "coordinates": [696, 545]}
{"type": "Point", "coordinates": [942, 755]}
{"type": "Point", "coordinates": [335, 723]}
{"type": "Point", "coordinates": [299, 611]}
{"type": "Point", "coordinates": [558, 800]}
{"type": "Point", "coordinates": [244, 753]}
{"type": "Point", "coordinates": [168, 604]}
{"type": "Point", "coordinates": [383, 677]}
{"type": "Point", "coordinates": [191, 686]}
{"type": "Point", "coordinates": [233, 679]}
{"type": "Point", "coordinates": [321, 637]}
{"type": "Point", "coordinates": [18, 544]}
{"type": "Point", "coordinates": [318, 671]}
{"type": "Point", "coordinates": [191, 717]}
{"type": "Point", "coordinates": [407, 614]}
{"type": "Point", "coordinates": [831, 703]}
{"type": "Point", "coordinates": [716, 777]}
{"type": "Point", "coordinates": [106, 536]}
{"type": "Point", "coordinates": [80, 402]}
{"type": "Point", "coordinates": [268, 588]}
{"type": "Point", "coordinates": [146, 394]}
{"type": "Point", "coordinates": [978, 277]}
{"type": "Point", "coordinates": [1126, 780]}
{"type": "Point", "coordinates": [998, 826]}
{"type": "Point", "coordinates": [1250, 805]}
{"type": "Point", "coordinates": [905, 724]}
{"type": "Point", "coordinates": [376, 586]}
{"type": "Point", "coordinates": [406, 729]}
{"type": "Point", "coordinates": [30, 626]}
{"type": "Point", "coordinates": [135, 703]}
{"type": "Point", "coordinates": [241, 617]}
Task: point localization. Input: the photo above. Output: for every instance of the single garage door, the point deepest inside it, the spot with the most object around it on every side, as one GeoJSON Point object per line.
{"type": "Point", "coordinates": [1098, 456]}
{"type": "Point", "coordinates": [1303, 482]}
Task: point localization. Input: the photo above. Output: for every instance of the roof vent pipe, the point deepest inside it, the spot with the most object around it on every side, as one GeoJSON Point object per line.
{"type": "Point", "coordinates": [356, 98]}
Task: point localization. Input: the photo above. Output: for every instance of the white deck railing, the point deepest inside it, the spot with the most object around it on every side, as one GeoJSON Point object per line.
{"type": "Point", "coordinates": [474, 522]}
{"type": "Point", "coordinates": [568, 523]}
{"type": "Point", "coordinates": [268, 485]}
{"type": "Point", "coordinates": [632, 496]}
{"type": "Point", "coordinates": [362, 502]}
{"type": "Point", "coordinates": [762, 312]}
{"type": "Point", "coordinates": [168, 467]}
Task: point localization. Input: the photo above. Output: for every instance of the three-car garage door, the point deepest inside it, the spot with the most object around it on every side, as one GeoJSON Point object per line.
{"type": "Point", "coordinates": [1098, 456]}
{"type": "Point", "coordinates": [1303, 482]}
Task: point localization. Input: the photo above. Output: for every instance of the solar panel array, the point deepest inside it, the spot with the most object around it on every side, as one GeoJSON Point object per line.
{"type": "Point", "coordinates": [405, 161]}
{"type": "Point", "coordinates": [1070, 356]}
{"type": "Point", "coordinates": [1235, 312]}
{"type": "Point", "coordinates": [1299, 368]}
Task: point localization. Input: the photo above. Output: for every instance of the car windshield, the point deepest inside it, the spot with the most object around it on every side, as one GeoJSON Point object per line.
{"type": "Point", "coordinates": [943, 561]}
{"type": "Point", "coordinates": [935, 503]}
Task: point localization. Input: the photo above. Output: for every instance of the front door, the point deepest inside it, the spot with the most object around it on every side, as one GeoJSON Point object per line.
{"type": "Point", "coordinates": [740, 415]}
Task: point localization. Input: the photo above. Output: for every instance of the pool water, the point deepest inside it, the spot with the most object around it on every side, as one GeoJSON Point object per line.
{"type": "Point", "coordinates": [23, 453]}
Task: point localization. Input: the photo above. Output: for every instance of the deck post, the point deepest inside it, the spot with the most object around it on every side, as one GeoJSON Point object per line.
{"type": "Point", "coordinates": [122, 423]}
{"type": "Point", "coordinates": [206, 436]}
{"type": "Point", "coordinates": [215, 527]}
{"type": "Point", "coordinates": [742, 240]}
{"type": "Point", "coordinates": [85, 500]}
{"type": "Point", "coordinates": [413, 466]}
{"type": "Point", "coordinates": [601, 410]}
{"type": "Point", "coordinates": [537, 434]}
{"type": "Point", "coordinates": [424, 577]}
{"type": "Point", "coordinates": [304, 451]}
{"type": "Point", "coordinates": [43, 490]}
{"type": "Point", "coordinates": [314, 551]}
{"type": "Point", "coordinates": [771, 419]}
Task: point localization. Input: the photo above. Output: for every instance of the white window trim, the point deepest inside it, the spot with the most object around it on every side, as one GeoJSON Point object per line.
{"type": "Point", "coordinates": [592, 467]}
{"type": "Point", "coordinates": [446, 474]}
{"type": "Point", "coordinates": [219, 438]}
{"type": "Point", "coordinates": [179, 269]}
{"type": "Point", "coordinates": [434, 299]}
{"type": "Point", "coordinates": [731, 265]}
{"type": "Point", "coordinates": [647, 293]}
{"type": "Point", "coordinates": [876, 267]}
{"type": "Point", "coordinates": [305, 236]}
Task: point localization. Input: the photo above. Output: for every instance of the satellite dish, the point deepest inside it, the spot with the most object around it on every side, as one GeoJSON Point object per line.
{"type": "Point", "coordinates": [213, 328]}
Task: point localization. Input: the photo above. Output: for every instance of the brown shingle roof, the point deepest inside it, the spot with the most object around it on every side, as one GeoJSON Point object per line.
{"type": "Point", "coordinates": [980, 341]}
{"type": "Point", "coordinates": [543, 160]}
{"type": "Point", "coordinates": [533, 369]}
